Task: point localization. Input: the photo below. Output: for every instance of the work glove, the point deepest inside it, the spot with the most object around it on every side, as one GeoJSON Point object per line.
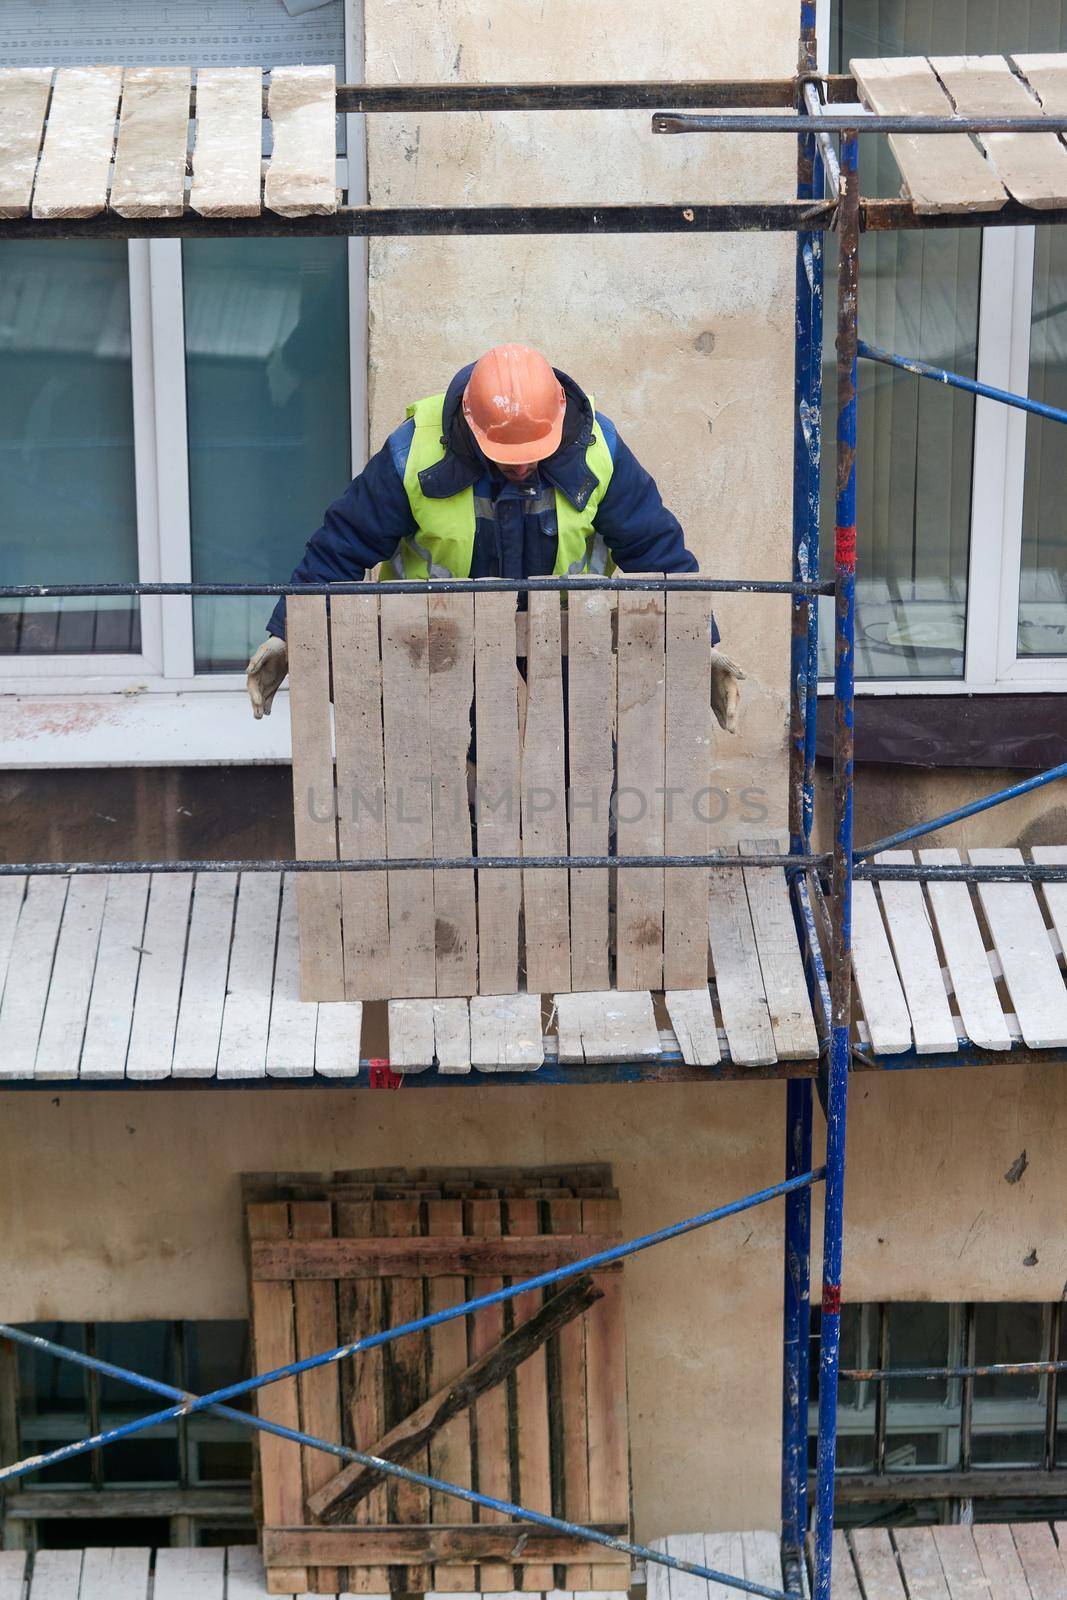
{"type": "Point", "coordinates": [266, 673]}
{"type": "Point", "coordinates": [726, 677]}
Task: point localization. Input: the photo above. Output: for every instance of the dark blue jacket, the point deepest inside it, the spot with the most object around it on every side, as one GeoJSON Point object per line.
{"type": "Point", "coordinates": [369, 520]}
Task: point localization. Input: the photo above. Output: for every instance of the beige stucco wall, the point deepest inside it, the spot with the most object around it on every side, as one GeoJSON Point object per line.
{"type": "Point", "coordinates": [686, 342]}
{"type": "Point", "coordinates": [890, 798]}
{"type": "Point", "coordinates": [126, 1205]}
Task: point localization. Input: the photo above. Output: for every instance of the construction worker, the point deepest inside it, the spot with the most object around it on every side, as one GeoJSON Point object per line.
{"type": "Point", "coordinates": [510, 473]}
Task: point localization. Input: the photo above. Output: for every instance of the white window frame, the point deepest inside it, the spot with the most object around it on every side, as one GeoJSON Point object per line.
{"type": "Point", "coordinates": [153, 706]}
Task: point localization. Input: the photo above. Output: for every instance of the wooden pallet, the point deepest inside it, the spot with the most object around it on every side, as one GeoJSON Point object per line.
{"type": "Point", "coordinates": [488, 1402]}
{"type": "Point", "coordinates": [86, 139]}
{"type": "Point", "coordinates": [989, 1561]}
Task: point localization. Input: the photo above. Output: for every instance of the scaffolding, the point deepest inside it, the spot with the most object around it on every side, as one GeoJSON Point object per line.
{"type": "Point", "coordinates": [809, 108]}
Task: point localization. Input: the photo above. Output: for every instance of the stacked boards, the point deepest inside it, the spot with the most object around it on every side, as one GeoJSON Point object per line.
{"type": "Point", "coordinates": [524, 1400]}
{"type": "Point", "coordinates": [461, 726]}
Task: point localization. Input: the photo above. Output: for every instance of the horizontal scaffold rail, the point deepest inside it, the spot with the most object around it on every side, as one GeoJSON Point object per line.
{"type": "Point", "coordinates": [863, 122]}
{"type": "Point", "coordinates": [655, 582]}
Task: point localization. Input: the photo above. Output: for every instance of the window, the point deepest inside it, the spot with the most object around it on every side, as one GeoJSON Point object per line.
{"type": "Point", "coordinates": [962, 577]}
{"type": "Point", "coordinates": [920, 1449]}
{"type": "Point", "coordinates": [168, 410]}
{"type": "Point", "coordinates": [177, 1484]}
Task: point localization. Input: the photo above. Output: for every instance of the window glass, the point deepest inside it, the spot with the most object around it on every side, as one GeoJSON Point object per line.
{"type": "Point", "coordinates": [68, 510]}
{"type": "Point", "coordinates": [54, 1404]}
{"type": "Point", "coordinates": [1043, 578]}
{"type": "Point", "coordinates": [1009, 1412]}
{"type": "Point", "coordinates": [147, 1348]}
{"type": "Point", "coordinates": [267, 376]}
{"type": "Point", "coordinates": [922, 1414]}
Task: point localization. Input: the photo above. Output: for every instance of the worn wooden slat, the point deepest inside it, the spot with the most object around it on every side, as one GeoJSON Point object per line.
{"type": "Point", "coordinates": [357, 688]}
{"type": "Point", "coordinates": [301, 179]}
{"type": "Point", "coordinates": [361, 1311]}
{"type": "Point", "coordinates": [281, 1485]}
{"type": "Point", "coordinates": [686, 1585]}
{"type": "Point", "coordinates": [976, 995]}
{"type": "Point", "coordinates": [228, 153]}
{"type": "Point", "coordinates": [876, 1564]}
{"type": "Point", "coordinates": [605, 1359]}
{"type": "Point", "coordinates": [118, 957]}
{"type": "Point", "coordinates": [1032, 167]}
{"type": "Point", "coordinates": [314, 803]}
{"type": "Point", "coordinates": [917, 958]}
{"type": "Point", "coordinates": [1000, 1562]}
{"type": "Point", "coordinates": [738, 979]}
{"type": "Point", "coordinates": [30, 968]}
{"type": "Point", "coordinates": [506, 1029]}
{"type": "Point", "coordinates": [959, 1562]}
{"type": "Point", "coordinates": [452, 1035]}
{"type": "Point", "coordinates": [159, 977]}
{"type": "Point", "coordinates": [246, 1014]}
{"type": "Point", "coordinates": [73, 171]}
{"type": "Point", "coordinates": [293, 1022]}
{"type": "Point", "coordinates": [198, 1574]}
{"type": "Point", "coordinates": [616, 1026]}
{"type": "Point", "coordinates": [12, 1574]}
{"type": "Point", "coordinates": [781, 964]}
{"type": "Point", "coordinates": [1047, 76]}
{"type": "Point", "coordinates": [149, 177]}
{"type": "Point", "coordinates": [1031, 971]}
{"type": "Point", "coordinates": [450, 1448]}
{"type": "Point", "coordinates": [408, 818]}
{"type": "Point", "coordinates": [687, 818]}
{"type": "Point", "coordinates": [245, 1577]}
{"type": "Point", "coordinates": [451, 634]}
{"type": "Point", "coordinates": [940, 171]}
{"type": "Point", "coordinates": [658, 1577]}
{"type": "Point", "coordinates": [639, 796]}
{"type": "Point", "coordinates": [319, 1394]}
{"type": "Point", "coordinates": [531, 1378]}
{"type": "Point", "coordinates": [1054, 894]}
{"type": "Point", "coordinates": [207, 962]}
{"type": "Point", "coordinates": [405, 1368]}
{"type": "Point", "coordinates": [120, 1574]}
{"type": "Point", "coordinates": [492, 1544]}
{"type": "Point", "coordinates": [482, 1219]}
{"type": "Point", "coordinates": [56, 1575]}
{"type": "Point", "coordinates": [844, 1584]}
{"type": "Point", "coordinates": [415, 1256]}
{"type": "Point", "coordinates": [410, 1035]}
{"type": "Point", "coordinates": [591, 690]}
{"type": "Point", "coordinates": [63, 1026]}
{"type": "Point", "coordinates": [920, 1564]}
{"type": "Point", "coordinates": [760, 1552]}
{"type": "Point", "coordinates": [24, 94]}
{"type": "Point", "coordinates": [337, 1038]}
{"type": "Point", "coordinates": [498, 777]}
{"type": "Point", "coordinates": [885, 1010]}
{"type": "Point", "coordinates": [12, 894]}
{"type": "Point", "coordinates": [693, 1020]}
{"type": "Point", "coordinates": [544, 808]}
{"type": "Point", "coordinates": [565, 1217]}
{"type": "Point", "coordinates": [1040, 1557]}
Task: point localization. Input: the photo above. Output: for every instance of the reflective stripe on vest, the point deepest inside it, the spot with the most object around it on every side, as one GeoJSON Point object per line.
{"type": "Point", "coordinates": [444, 544]}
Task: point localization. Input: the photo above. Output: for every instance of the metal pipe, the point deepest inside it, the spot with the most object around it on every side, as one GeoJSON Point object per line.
{"type": "Point", "coordinates": [841, 966]}
{"type": "Point", "coordinates": [867, 122]}
{"type": "Point", "coordinates": [955, 380]}
{"type": "Point", "coordinates": [826, 144]}
{"type": "Point", "coordinates": [796, 1323]}
{"type": "Point", "coordinates": [1010, 793]}
{"type": "Point", "coordinates": [61, 869]}
{"type": "Point", "coordinates": [656, 582]}
{"type": "Point", "coordinates": [195, 1403]}
{"type": "Point", "coordinates": [920, 872]}
{"type": "Point", "coordinates": [1000, 1369]}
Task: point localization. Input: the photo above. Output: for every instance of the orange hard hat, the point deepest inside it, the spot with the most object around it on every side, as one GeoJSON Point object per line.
{"type": "Point", "coordinates": [514, 405]}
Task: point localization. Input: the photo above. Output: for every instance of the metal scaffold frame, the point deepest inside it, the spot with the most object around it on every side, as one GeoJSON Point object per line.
{"type": "Point", "coordinates": [823, 924]}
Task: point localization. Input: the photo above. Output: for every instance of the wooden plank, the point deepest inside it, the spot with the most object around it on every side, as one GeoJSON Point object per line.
{"type": "Point", "coordinates": [361, 1311]}
{"type": "Point", "coordinates": [1054, 895]}
{"type": "Point", "coordinates": [24, 95]}
{"type": "Point", "coordinates": [450, 1447]}
{"type": "Point", "coordinates": [1040, 1557]}
{"type": "Point", "coordinates": [408, 812]}
{"type": "Point", "coordinates": [150, 155]}
{"type": "Point", "coordinates": [118, 958]}
{"type": "Point", "coordinates": [687, 819]}
{"type": "Point", "coordinates": [405, 1369]}
{"type": "Point", "coordinates": [693, 1020]}
{"type": "Point", "coordinates": [686, 1585]}
{"type": "Point", "coordinates": [245, 1576]}
{"type": "Point", "coordinates": [452, 1035]}
{"type": "Point", "coordinates": [489, 1544]}
{"type": "Point", "coordinates": [917, 958]}
{"type": "Point", "coordinates": [319, 1393]}
{"type": "Point", "coordinates": [780, 960]}
{"type": "Point", "coordinates": [293, 1022]}
{"type": "Point", "coordinates": [531, 1377]}
{"type": "Point", "coordinates": [30, 966]}
{"type": "Point", "coordinates": [337, 1039]}
{"type": "Point", "coordinates": [12, 894]}
{"type": "Point", "coordinates": [738, 979]}
{"type": "Point", "coordinates": [761, 1554]}
{"type": "Point", "coordinates": [482, 1219]}
{"type": "Point", "coordinates": [639, 795]}
{"type": "Point", "coordinates": [605, 1376]}
{"type": "Point", "coordinates": [207, 963]}
{"type": "Point", "coordinates": [920, 1564]}
{"type": "Point", "coordinates": [198, 1574]}
{"type": "Point", "coordinates": [159, 977]}
{"type": "Point", "coordinates": [451, 635]}
{"type": "Point", "coordinates": [314, 801]}
{"type": "Point", "coordinates": [1047, 76]}
{"type": "Point", "coordinates": [357, 689]}
{"type": "Point", "coordinates": [546, 901]}
{"type": "Point", "coordinates": [885, 1010]}
{"type": "Point", "coordinates": [246, 1014]}
{"type": "Point", "coordinates": [565, 1217]}
{"type": "Point", "coordinates": [281, 1260]}
{"type": "Point", "coordinates": [876, 1564]}
{"type": "Point", "coordinates": [497, 793]}
{"type": "Point", "coordinates": [281, 1485]}
{"type": "Point", "coordinates": [56, 1575]}
{"type": "Point", "coordinates": [73, 171]}
{"type": "Point", "coordinates": [1032, 167]}
{"type": "Point", "coordinates": [228, 153]}
{"type": "Point", "coordinates": [63, 1026]}
{"type": "Point", "coordinates": [960, 1563]}
{"type": "Point", "coordinates": [658, 1584]}
{"type": "Point", "coordinates": [844, 1584]}
{"type": "Point", "coordinates": [301, 179]}
{"type": "Point", "coordinates": [615, 1026]}
{"type": "Point", "coordinates": [591, 689]}
{"type": "Point", "coordinates": [940, 171]}
{"type": "Point", "coordinates": [961, 938]}
{"type": "Point", "coordinates": [1031, 971]}
{"type": "Point", "coordinates": [410, 1035]}
{"type": "Point", "coordinates": [1000, 1562]}
{"type": "Point", "coordinates": [12, 1572]}
{"type": "Point", "coordinates": [120, 1574]}
{"type": "Point", "coordinates": [506, 1029]}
